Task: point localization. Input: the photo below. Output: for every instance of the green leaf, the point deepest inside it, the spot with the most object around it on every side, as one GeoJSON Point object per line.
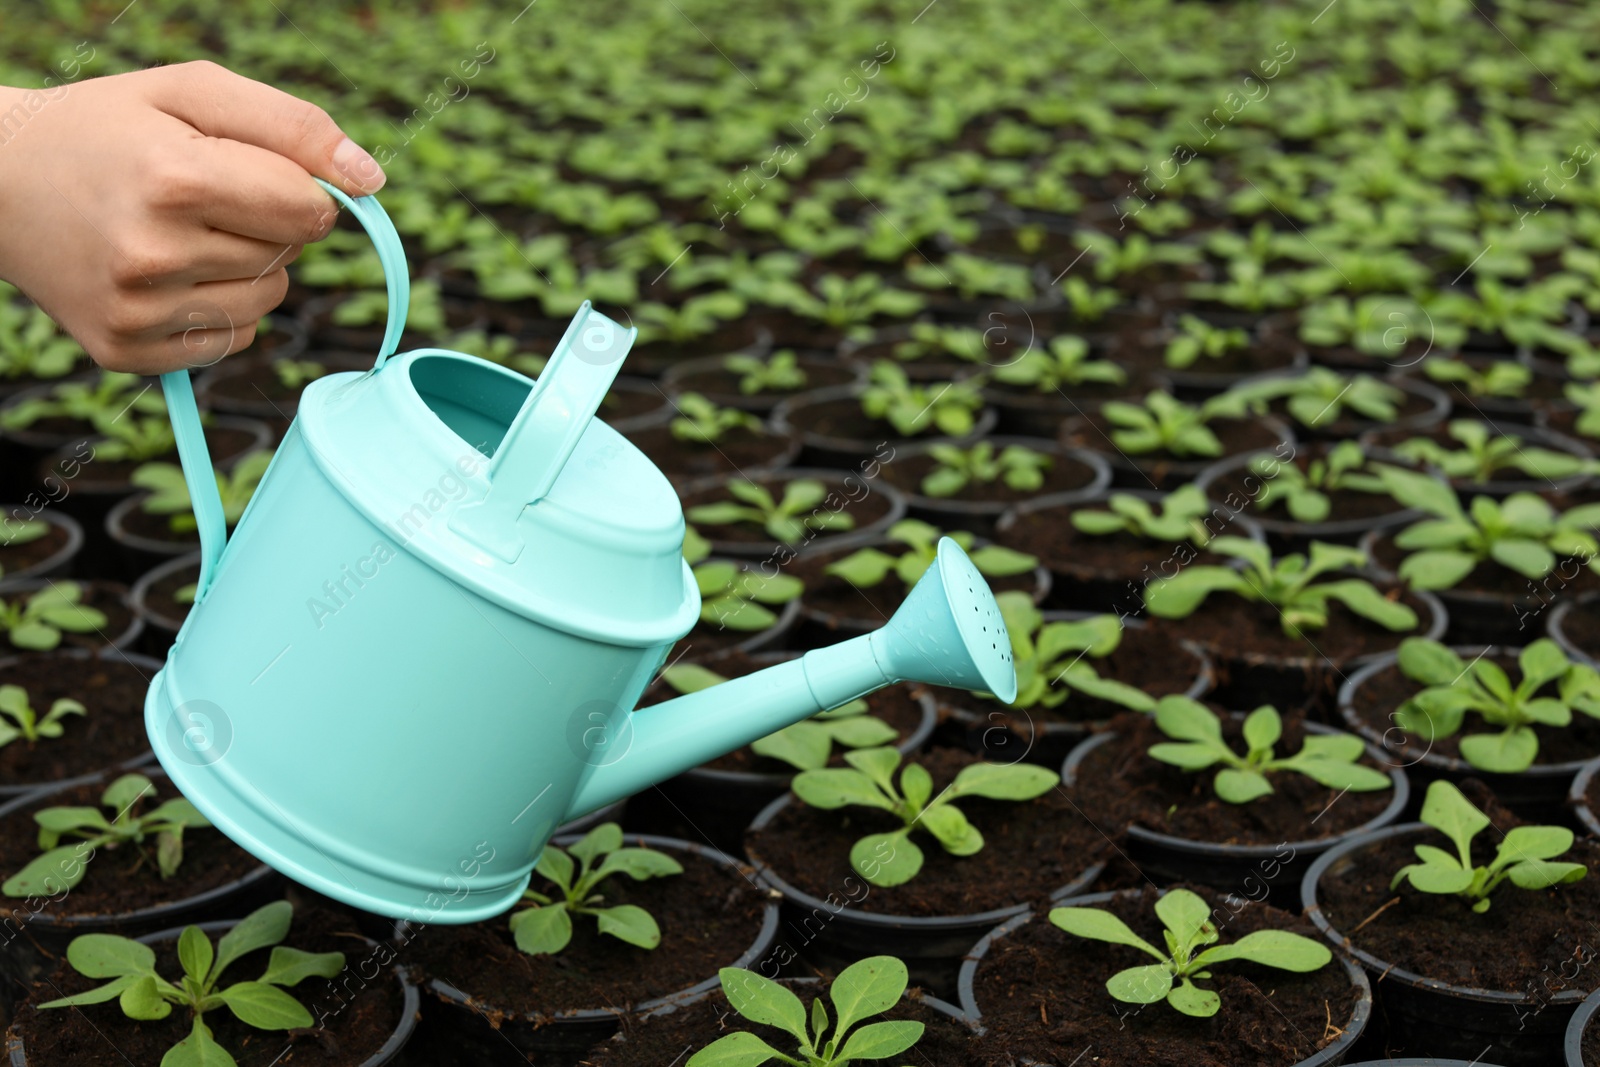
{"type": "Point", "coordinates": [199, 1049]}
{"type": "Point", "coordinates": [1186, 915]}
{"type": "Point", "coordinates": [886, 859]}
{"type": "Point", "coordinates": [1418, 490]}
{"type": "Point", "coordinates": [555, 865]}
{"type": "Point", "coordinates": [861, 731]}
{"type": "Point", "coordinates": [1528, 558]}
{"type": "Point", "coordinates": [143, 1001]}
{"type": "Point", "coordinates": [804, 746]}
{"type": "Point", "coordinates": [738, 1049]}
{"type": "Point", "coordinates": [878, 764]}
{"type": "Point", "coordinates": [1003, 781]}
{"type": "Point", "coordinates": [1429, 662]}
{"type": "Point", "coordinates": [1435, 569]}
{"type": "Point", "coordinates": [1189, 755]}
{"type": "Point", "coordinates": [1504, 752]}
{"type": "Point", "coordinates": [1262, 729]}
{"type": "Point", "coordinates": [1533, 843]}
{"type": "Point", "coordinates": [1177, 597]}
{"type": "Point", "coordinates": [65, 819]}
{"type": "Point", "coordinates": [1541, 874]}
{"type": "Point", "coordinates": [997, 561]}
{"type": "Point", "coordinates": [1541, 661]}
{"type": "Point", "coordinates": [1184, 719]}
{"type": "Point", "coordinates": [195, 953]}
{"type": "Point", "coordinates": [265, 1007]}
{"type": "Point", "coordinates": [837, 787]}
{"type": "Point", "coordinates": [630, 923]}
{"type": "Point", "coordinates": [1098, 925]}
{"type": "Point", "coordinates": [1446, 810]}
{"type": "Point", "coordinates": [543, 930]}
{"type": "Point", "coordinates": [764, 1001]}
{"type": "Point", "coordinates": [1271, 948]}
{"type": "Point", "coordinates": [639, 864]}
{"type": "Point", "coordinates": [1239, 786]}
{"type": "Point", "coordinates": [691, 677]}
{"type": "Point", "coordinates": [121, 794]}
{"type": "Point", "coordinates": [1337, 774]}
{"type": "Point", "coordinates": [1186, 996]}
{"type": "Point", "coordinates": [1360, 597]}
{"type": "Point", "coordinates": [879, 1041]}
{"type": "Point", "coordinates": [916, 785]}
{"type": "Point", "coordinates": [864, 568]}
{"type": "Point", "coordinates": [109, 956]}
{"type": "Point", "coordinates": [48, 873]}
{"type": "Point", "coordinates": [1147, 984]}
{"type": "Point", "coordinates": [98, 995]}
{"type": "Point", "coordinates": [958, 836]}
{"type": "Point", "coordinates": [866, 988]}
{"type": "Point", "coordinates": [291, 966]}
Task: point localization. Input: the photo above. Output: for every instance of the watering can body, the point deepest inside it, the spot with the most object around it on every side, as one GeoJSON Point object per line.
{"type": "Point", "coordinates": [420, 650]}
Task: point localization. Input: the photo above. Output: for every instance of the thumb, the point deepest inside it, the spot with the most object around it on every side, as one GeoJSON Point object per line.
{"type": "Point", "coordinates": [220, 103]}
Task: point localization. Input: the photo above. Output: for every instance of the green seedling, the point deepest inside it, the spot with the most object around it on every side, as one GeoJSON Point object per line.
{"type": "Point", "coordinates": [169, 491]}
{"type": "Point", "coordinates": [145, 996]}
{"type": "Point", "coordinates": [1021, 469]}
{"type": "Point", "coordinates": [807, 744]}
{"type": "Point", "coordinates": [732, 596]}
{"type": "Point", "coordinates": [1380, 326]}
{"type": "Point", "coordinates": [370, 307]}
{"type": "Point", "coordinates": [1061, 365]}
{"type": "Point", "coordinates": [1288, 584]}
{"type": "Point", "coordinates": [1483, 454]}
{"type": "Point", "coordinates": [932, 341]}
{"type": "Point", "coordinates": [783, 520]}
{"type": "Point", "coordinates": [1178, 516]}
{"type": "Point", "coordinates": [1113, 261]}
{"type": "Point", "coordinates": [1332, 760]}
{"type": "Point", "coordinates": [949, 407]}
{"type": "Point", "coordinates": [1087, 302]}
{"type": "Point", "coordinates": [1316, 398]}
{"type": "Point", "coordinates": [61, 866]}
{"type": "Point", "coordinates": [866, 988]}
{"type": "Point", "coordinates": [1305, 493]}
{"type": "Point", "coordinates": [295, 374]}
{"type": "Point", "coordinates": [28, 724]}
{"type": "Point", "coordinates": [1526, 855]}
{"type": "Point", "coordinates": [892, 858]}
{"type": "Point", "coordinates": [32, 345]}
{"type": "Point", "coordinates": [974, 277]}
{"type": "Point", "coordinates": [703, 422]}
{"type": "Point", "coordinates": [698, 316]}
{"type": "Point", "coordinates": [1455, 687]}
{"type": "Point", "coordinates": [36, 622]}
{"type": "Point", "coordinates": [136, 439]}
{"type": "Point", "coordinates": [99, 403]}
{"type": "Point", "coordinates": [1501, 378]}
{"type": "Point", "coordinates": [1197, 337]}
{"type": "Point", "coordinates": [546, 928]}
{"type": "Point", "coordinates": [1162, 424]}
{"type": "Point", "coordinates": [780, 373]}
{"type": "Point", "coordinates": [1052, 659]}
{"type": "Point", "coordinates": [839, 301]}
{"type": "Point", "coordinates": [1189, 930]}
{"type": "Point", "coordinates": [868, 567]}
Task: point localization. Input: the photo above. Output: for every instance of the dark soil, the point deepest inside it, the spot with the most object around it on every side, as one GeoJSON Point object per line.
{"type": "Point", "coordinates": [1489, 577]}
{"type": "Point", "coordinates": [113, 730]}
{"type": "Point", "coordinates": [121, 880]}
{"type": "Point", "coordinates": [1031, 849]}
{"type": "Point", "coordinates": [1235, 435]}
{"type": "Point", "coordinates": [866, 511]}
{"type": "Point", "coordinates": [108, 476]}
{"type": "Point", "coordinates": [1382, 693]}
{"type": "Point", "coordinates": [1080, 400]}
{"type": "Point", "coordinates": [18, 556]}
{"type": "Point", "coordinates": [1237, 628]}
{"type": "Point", "coordinates": [1519, 945]}
{"type": "Point", "coordinates": [1592, 798]}
{"type": "Point", "coordinates": [1043, 997]}
{"type": "Point", "coordinates": [672, 1037]}
{"type": "Point", "coordinates": [1127, 787]}
{"type": "Point", "coordinates": [708, 915]}
{"type": "Point", "coordinates": [621, 404]}
{"type": "Point", "coordinates": [358, 1012]}
{"type": "Point", "coordinates": [1049, 534]}
{"type": "Point", "coordinates": [1064, 475]}
{"type": "Point", "coordinates": [835, 596]}
{"type": "Point", "coordinates": [108, 597]}
{"type": "Point", "coordinates": [253, 383]}
{"type": "Point", "coordinates": [735, 451]}
{"type": "Point", "coordinates": [1344, 504]}
{"type": "Point", "coordinates": [843, 419]}
{"type": "Point", "coordinates": [141, 523]}
{"type": "Point", "coordinates": [1581, 627]}
{"type": "Point", "coordinates": [159, 596]}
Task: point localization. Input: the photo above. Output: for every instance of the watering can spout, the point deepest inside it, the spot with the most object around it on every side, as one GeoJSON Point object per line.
{"type": "Point", "coordinates": [948, 632]}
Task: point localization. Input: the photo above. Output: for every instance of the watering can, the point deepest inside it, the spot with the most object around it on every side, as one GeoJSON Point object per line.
{"type": "Point", "coordinates": [420, 651]}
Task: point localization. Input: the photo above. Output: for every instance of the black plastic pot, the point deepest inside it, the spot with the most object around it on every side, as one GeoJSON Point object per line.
{"type": "Point", "coordinates": [1329, 1056]}
{"type": "Point", "coordinates": [1426, 1061]}
{"type": "Point", "coordinates": [692, 650]}
{"type": "Point", "coordinates": [1476, 618]}
{"type": "Point", "coordinates": [1437, 409]}
{"type": "Point", "coordinates": [160, 629]}
{"type": "Point", "coordinates": [841, 484]}
{"type": "Point", "coordinates": [980, 516]}
{"type": "Point", "coordinates": [931, 947]}
{"type": "Point", "coordinates": [1578, 797]}
{"type": "Point", "coordinates": [58, 563]}
{"type": "Point", "coordinates": [477, 1034]}
{"type": "Point", "coordinates": [1511, 409]}
{"type": "Point", "coordinates": [1275, 870]}
{"type": "Point", "coordinates": [1430, 1014]}
{"type": "Point", "coordinates": [640, 390]}
{"type": "Point", "coordinates": [136, 554]}
{"type": "Point", "coordinates": [1196, 381]}
{"type": "Point", "coordinates": [1581, 1020]}
{"type": "Point", "coordinates": [211, 387]}
{"type": "Point", "coordinates": [1538, 793]}
{"type": "Point", "coordinates": [825, 450]}
{"type": "Point", "coordinates": [1165, 472]}
{"type": "Point", "coordinates": [1555, 626]}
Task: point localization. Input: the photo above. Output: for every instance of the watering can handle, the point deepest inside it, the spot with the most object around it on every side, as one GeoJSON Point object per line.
{"type": "Point", "coordinates": [185, 414]}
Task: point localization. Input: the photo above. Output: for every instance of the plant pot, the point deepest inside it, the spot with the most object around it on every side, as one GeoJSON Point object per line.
{"type": "Point", "coordinates": [835, 916]}
{"type": "Point", "coordinates": [873, 503]}
{"type": "Point", "coordinates": [1574, 624]}
{"type": "Point", "coordinates": [1581, 1044]}
{"type": "Point", "coordinates": [324, 998]}
{"type": "Point", "coordinates": [461, 316]}
{"type": "Point", "coordinates": [1030, 413]}
{"type": "Point", "coordinates": [708, 377]}
{"type": "Point", "coordinates": [1164, 471]}
{"type": "Point", "coordinates": [1543, 392]}
{"type": "Point", "coordinates": [832, 431]}
{"type": "Point", "coordinates": [1538, 793]}
{"type": "Point", "coordinates": [1264, 869]}
{"type": "Point", "coordinates": [739, 451]}
{"type": "Point", "coordinates": [111, 684]}
{"type": "Point", "coordinates": [123, 625]}
{"type": "Point", "coordinates": [1268, 352]}
{"type": "Point", "coordinates": [1045, 735]}
{"type": "Point", "coordinates": [1584, 797]}
{"type": "Point", "coordinates": [1105, 573]}
{"type": "Point", "coordinates": [1427, 1014]}
{"type": "Point", "coordinates": [50, 556]}
{"type": "Point", "coordinates": [749, 334]}
{"type": "Point", "coordinates": [1380, 443]}
{"type": "Point", "coordinates": [1423, 407]}
{"type": "Point", "coordinates": [1076, 474]}
{"type": "Point", "coordinates": [1163, 1037]}
{"type": "Point", "coordinates": [861, 354]}
{"type": "Point", "coordinates": [141, 541]}
{"type": "Point", "coordinates": [479, 1030]}
{"type": "Point", "coordinates": [635, 404]}
{"type": "Point", "coordinates": [22, 449]}
{"type": "Point", "coordinates": [153, 598]}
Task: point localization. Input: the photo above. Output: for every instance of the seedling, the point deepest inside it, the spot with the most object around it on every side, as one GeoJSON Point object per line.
{"type": "Point", "coordinates": [35, 622]}
{"type": "Point", "coordinates": [949, 407]}
{"type": "Point", "coordinates": [30, 726]}
{"type": "Point", "coordinates": [370, 307]}
{"type": "Point", "coordinates": [1306, 492]}
{"type": "Point", "coordinates": [1587, 396]}
{"type": "Point", "coordinates": [1378, 326]}
{"type": "Point", "coordinates": [839, 301]}
{"type": "Point", "coordinates": [781, 373]}
{"type": "Point", "coordinates": [98, 403]}
{"type": "Point", "coordinates": [930, 340]}
{"type": "Point", "coordinates": [698, 316]}
{"type": "Point", "coordinates": [61, 866]}
{"type": "Point", "coordinates": [169, 492]}
{"type": "Point", "coordinates": [867, 567]}
{"type": "Point", "coordinates": [1189, 930]}
{"type": "Point", "coordinates": [136, 440]}
{"type": "Point", "coordinates": [1088, 303]}
{"type": "Point", "coordinates": [1113, 261]}
{"type": "Point", "coordinates": [1526, 855]}
{"type": "Point", "coordinates": [703, 422]}
{"type": "Point", "coordinates": [1063, 364]}
{"type": "Point", "coordinates": [1455, 687]}
{"type": "Point", "coordinates": [295, 374]}
{"type": "Point", "coordinates": [1052, 659]}
{"type": "Point", "coordinates": [1197, 337]}
{"type": "Point", "coordinates": [732, 597]}
{"type": "Point", "coordinates": [1288, 584]}
{"type": "Point", "coordinates": [1482, 454]}
{"type": "Point", "coordinates": [1175, 517]}
{"type": "Point", "coordinates": [1316, 398]}
{"type": "Point", "coordinates": [892, 858]}
{"type": "Point", "coordinates": [32, 345]}
{"type": "Point", "coordinates": [807, 744]}
{"type": "Point", "coordinates": [1501, 378]}
{"type": "Point", "coordinates": [546, 928]}
{"type": "Point", "coordinates": [1332, 760]}
{"type": "Point", "coordinates": [144, 995]}
{"type": "Point", "coordinates": [1162, 424]}
{"type": "Point", "coordinates": [974, 277]}
{"type": "Point", "coordinates": [1021, 469]}
{"type": "Point", "coordinates": [783, 520]}
{"type": "Point", "coordinates": [1248, 287]}
{"type": "Point", "coordinates": [866, 988]}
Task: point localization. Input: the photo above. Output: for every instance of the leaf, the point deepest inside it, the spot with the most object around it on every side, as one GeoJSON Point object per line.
{"type": "Point", "coordinates": [1184, 719]}
{"type": "Point", "coordinates": [1339, 774]}
{"type": "Point", "coordinates": [1186, 915]}
{"type": "Point", "coordinates": [878, 764]}
{"type": "Point", "coordinates": [997, 561]}
{"type": "Point", "coordinates": [1188, 997]}
{"type": "Point", "coordinates": [879, 1041]}
{"type": "Point", "coordinates": [121, 794]}
{"type": "Point", "coordinates": [804, 746]}
{"type": "Point", "coordinates": [764, 1001]}
{"type": "Point", "coordinates": [65, 819]}
{"type": "Point", "coordinates": [861, 731]}
{"type": "Point", "coordinates": [837, 787]}
{"type": "Point", "coordinates": [886, 859]}
{"type": "Point", "coordinates": [195, 953]}
{"type": "Point", "coordinates": [958, 836]}
{"type": "Point", "coordinates": [691, 677]}
{"type": "Point", "coordinates": [1177, 597]}
{"type": "Point", "coordinates": [1342, 748]}
{"type": "Point", "coordinates": [1528, 558]}
{"type": "Point", "coordinates": [142, 1001]}
{"type": "Point", "coordinates": [265, 1007]}
{"type": "Point", "coordinates": [48, 874]}
{"type": "Point", "coordinates": [1417, 490]}
{"type": "Point", "coordinates": [1360, 597]}
{"type": "Point", "coordinates": [1262, 729]}
{"type": "Point", "coordinates": [109, 956]}
{"type": "Point", "coordinates": [1435, 878]}
{"type": "Point", "coordinates": [1147, 984]}
{"type": "Point", "coordinates": [1189, 755]}
{"type": "Point", "coordinates": [1098, 925]}
{"type": "Point", "coordinates": [555, 865]}
{"type": "Point", "coordinates": [1541, 661]}
{"type": "Point", "coordinates": [868, 987]}
{"type": "Point", "coordinates": [1429, 662]}
{"type": "Point", "coordinates": [630, 923]}
{"type": "Point", "coordinates": [1003, 781]}
{"type": "Point", "coordinates": [639, 864]}
{"type": "Point", "coordinates": [1238, 786]}
{"type": "Point", "coordinates": [98, 995]}
{"type": "Point", "coordinates": [1272, 948]}
{"type": "Point", "coordinates": [265, 926]}
{"type": "Point", "coordinates": [1446, 810]}
{"type": "Point", "coordinates": [864, 568]}
{"type": "Point", "coordinates": [1533, 843]}
{"type": "Point", "coordinates": [738, 1049]}
{"type": "Point", "coordinates": [916, 785]}
{"type": "Point", "coordinates": [199, 1049]}
{"type": "Point", "coordinates": [1541, 874]}
{"type": "Point", "coordinates": [291, 966]}
{"type": "Point", "coordinates": [542, 931]}
{"type": "Point", "coordinates": [1505, 752]}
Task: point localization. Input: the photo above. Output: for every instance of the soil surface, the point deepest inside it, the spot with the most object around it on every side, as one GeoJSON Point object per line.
{"type": "Point", "coordinates": [111, 689]}
{"type": "Point", "coordinates": [1383, 692]}
{"type": "Point", "coordinates": [673, 1037]}
{"type": "Point", "coordinates": [18, 556]}
{"type": "Point", "coordinates": [709, 915]}
{"type": "Point", "coordinates": [159, 596]}
{"type": "Point", "coordinates": [1236, 628]}
{"type": "Point", "coordinates": [1127, 787]}
{"type": "Point", "coordinates": [1581, 627]}
{"type": "Point", "coordinates": [1591, 1044]}
{"type": "Point", "coordinates": [1065, 550]}
{"type": "Point", "coordinates": [108, 597]}
{"type": "Point", "coordinates": [110, 476]}
{"type": "Point", "coordinates": [1147, 353]}
{"type": "Point", "coordinates": [1526, 939]}
{"type": "Point", "coordinates": [843, 419]}
{"type": "Point", "coordinates": [832, 595]}
{"type": "Point", "coordinates": [123, 879]}
{"type": "Point", "coordinates": [141, 523]}
{"type": "Point", "coordinates": [810, 849]}
{"type": "Point", "coordinates": [735, 451]}
{"type": "Point", "coordinates": [358, 1013]}
{"type": "Point", "coordinates": [1064, 475]}
{"type": "Point", "coordinates": [1043, 997]}
{"type": "Point", "coordinates": [627, 404]}
{"type": "Point", "coordinates": [865, 511]}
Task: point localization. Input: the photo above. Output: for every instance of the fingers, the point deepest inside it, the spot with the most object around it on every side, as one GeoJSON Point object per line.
{"type": "Point", "coordinates": [255, 193]}
{"type": "Point", "coordinates": [154, 332]}
{"type": "Point", "coordinates": [219, 103]}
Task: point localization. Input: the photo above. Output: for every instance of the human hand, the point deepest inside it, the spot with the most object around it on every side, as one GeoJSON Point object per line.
{"type": "Point", "coordinates": [152, 214]}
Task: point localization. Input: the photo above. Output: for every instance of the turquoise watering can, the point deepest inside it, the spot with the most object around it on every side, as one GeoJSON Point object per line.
{"type": "Point", "coordinates": [421, 649]}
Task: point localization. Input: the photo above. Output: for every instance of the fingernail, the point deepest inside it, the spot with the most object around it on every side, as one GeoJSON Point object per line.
{"type": "Point", "coordinates": [351, 160]}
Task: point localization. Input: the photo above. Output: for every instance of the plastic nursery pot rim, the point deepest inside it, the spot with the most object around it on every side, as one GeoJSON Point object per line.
{"type": "Point", "coordinates": [1400, 795]}
{"type": "Point", "coordinates": [1316, 531]}
{"type": "Point", "coordinates": [141, 590]}
{"type": "Point", "coordinates": [832, 477]}
{"type": "Point", "coordinates": [1578, 796]}
{"type": "Point", "coordinates": [118, 531]}
{"type": "Point", "coordinates": [1099, 468]}
{"type": "Point", "coordinates": [73, 546]}
{"type": "Point", "coordinates": [1448, 765]}
{"type": "Point", "coordinates": [1332, 1054]}
{"type": "Point", "coordinates": [1572, 1045]}
{"type": "Point", "coordinates": [1393, 971]}
{"type": "Point", "coordinates": [139, 662]}
{"type": "Point", "coordinates": [1502, 487]}
{"type": "Point", "coordinates": [117, 642]}
{"type": "Point", "coordinates": [914, 923]}
{"type": "Point", "coordinates": [1555, 625]}
{"type": "Point", "coordinates": [983, 423]}
{"type": "Point", "coordinates": [156, 913]}
{"type": "Point", "coordinates": [661, 415]}
{"type": "Point", "coordinates": [769, 931]}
